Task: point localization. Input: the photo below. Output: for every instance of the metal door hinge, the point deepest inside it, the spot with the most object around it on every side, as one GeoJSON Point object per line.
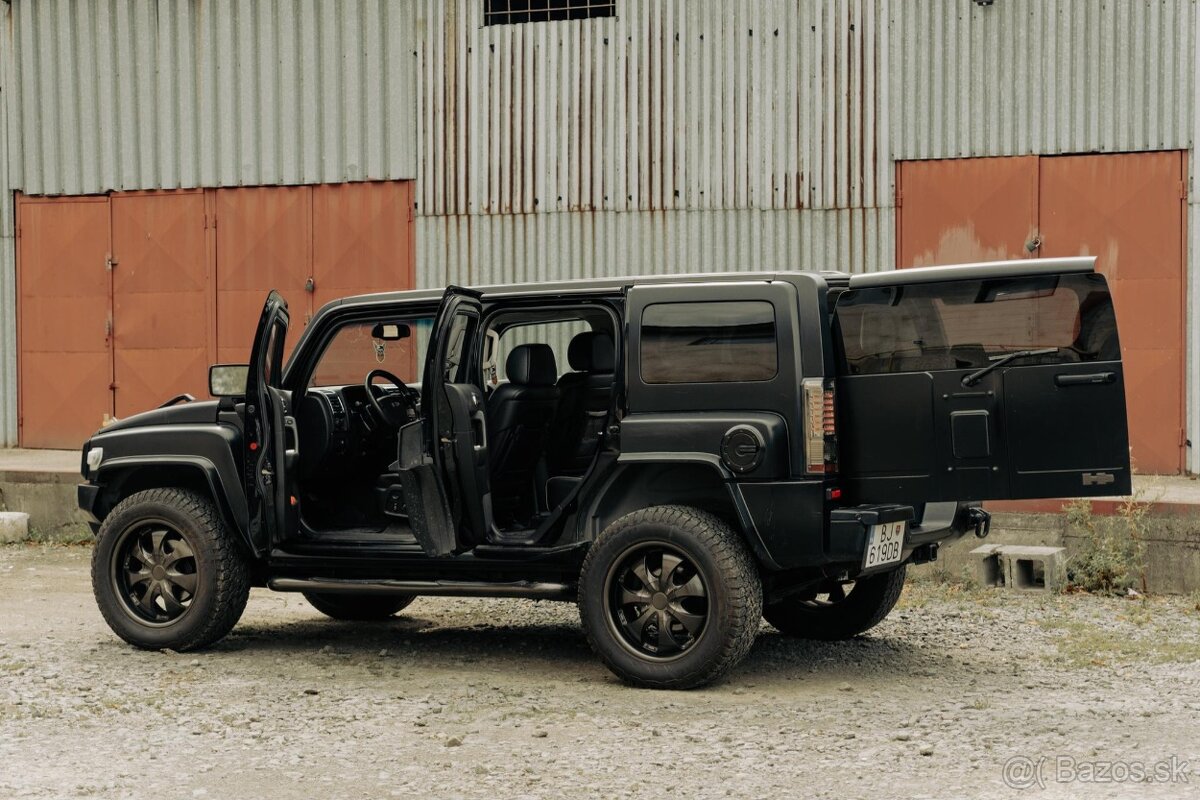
{"type": "Point", "coordinates": [1183, 190]}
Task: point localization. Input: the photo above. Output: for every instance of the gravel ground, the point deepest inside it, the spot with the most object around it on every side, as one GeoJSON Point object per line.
{"type": "Point", "coordinates": [503, 699]}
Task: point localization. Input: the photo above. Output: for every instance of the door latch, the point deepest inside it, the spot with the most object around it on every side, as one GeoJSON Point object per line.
{"type": "Point", "coordinates": [310, 286]}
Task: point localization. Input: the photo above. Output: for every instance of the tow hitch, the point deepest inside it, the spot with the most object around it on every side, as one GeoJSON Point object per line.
{"type": "Point", "coordinates": [980, 520]}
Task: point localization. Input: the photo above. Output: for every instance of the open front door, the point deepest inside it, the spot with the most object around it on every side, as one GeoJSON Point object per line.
{"type": "Point", "coordinates": [449, 484]}
{"type": "Point", "coordinates": [271, 440]}
{"type": "Point", "coordinates": [981, 382]}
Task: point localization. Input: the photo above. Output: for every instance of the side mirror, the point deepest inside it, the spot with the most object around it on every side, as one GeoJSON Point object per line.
{"type": "Point", "coordinates": [390, 331]}
{"type": "Point", "coordinates": [228, 380]}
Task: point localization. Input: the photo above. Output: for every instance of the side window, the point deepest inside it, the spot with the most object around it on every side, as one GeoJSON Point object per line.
{"type": "Point", "coordinates": [458, 337]}
{"type": "Point", "coordinates": [272, 363]}
{"type": "Point", "coordinates": [556, 334]}
{"type": "Point", "coordinates": [709, 342]}
{"type": "Point", "coordinates": [966, 324]}
{"type": "Point", "coordinates": [353, 352]}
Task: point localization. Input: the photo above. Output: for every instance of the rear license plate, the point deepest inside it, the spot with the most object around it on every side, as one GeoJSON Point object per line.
{"type": "Point", "coordinates": [885, 544]}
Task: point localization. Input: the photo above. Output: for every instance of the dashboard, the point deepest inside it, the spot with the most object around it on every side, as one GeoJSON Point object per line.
{"type": "Point", "coordinates": [340, 431]}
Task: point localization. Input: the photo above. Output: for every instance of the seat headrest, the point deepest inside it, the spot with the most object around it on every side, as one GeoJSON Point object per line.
{"type": "Point", "coordinates": [604, 353]}
{"type": "Point", "coordinates": [531, 365]}
{"type": "Point", "coordinates": [579, 351]}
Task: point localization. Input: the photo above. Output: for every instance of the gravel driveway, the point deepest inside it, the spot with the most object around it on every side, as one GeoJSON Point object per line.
{"type": "Point", "coordinates": [503, 699]}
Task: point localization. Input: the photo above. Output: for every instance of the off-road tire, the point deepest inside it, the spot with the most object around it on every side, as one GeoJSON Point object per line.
{"type": "Point", "coordinates": [359, 607]}
{"type": "Point", "coordinates": [864, 607]}
{"type": "Point", "coordinates": [223, 572]}
{"type": "Point", "coordinates": [734, 596]}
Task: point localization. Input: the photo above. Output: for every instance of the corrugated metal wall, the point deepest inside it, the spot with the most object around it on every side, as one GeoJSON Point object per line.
{"type": "Point", "coordinates": [681, 134]}
{"type": "Point", "coordinates": [1041, 76]}
{"type": "Point", "coordinates": [147, 94]}
{"type": "Point", "coordinates": [692, 135]}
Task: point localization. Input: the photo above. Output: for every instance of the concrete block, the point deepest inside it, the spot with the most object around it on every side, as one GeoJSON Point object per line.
{"type": "Point", "coordinates": [14, 526]}
{"type": "Point", "coordinates": [989, 570]}
{"type": "Point", "coordinates": [1033, 567]}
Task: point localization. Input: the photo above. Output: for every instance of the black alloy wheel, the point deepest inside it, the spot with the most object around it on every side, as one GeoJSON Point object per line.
{"type": "Point", "coordinates": [657, 600]}
{"type": "Point", "coordinates": [155, 570]}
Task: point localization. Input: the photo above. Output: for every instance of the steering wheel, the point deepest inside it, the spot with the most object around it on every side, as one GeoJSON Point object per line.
{"type": "Point", "coordinates": [392, 410]}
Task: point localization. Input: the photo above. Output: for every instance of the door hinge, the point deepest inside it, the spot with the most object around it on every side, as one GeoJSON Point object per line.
{"type": "Point", "coordinates": [1183, 439]}
{"type": "Point", "coordinates": [1183, 190]}
{"type": "Point", "coordinates": [899, 198]}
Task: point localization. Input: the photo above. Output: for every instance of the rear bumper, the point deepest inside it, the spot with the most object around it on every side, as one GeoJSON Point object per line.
{"type": "Point", "coordinates": [928, 527]}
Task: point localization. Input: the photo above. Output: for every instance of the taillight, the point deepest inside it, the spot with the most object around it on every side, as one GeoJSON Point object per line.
{"type": "Point", "coordinates": [820, 426]}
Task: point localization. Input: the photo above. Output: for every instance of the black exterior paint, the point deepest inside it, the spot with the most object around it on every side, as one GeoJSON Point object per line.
{"type": "Point", "coordinates": [899, 447]}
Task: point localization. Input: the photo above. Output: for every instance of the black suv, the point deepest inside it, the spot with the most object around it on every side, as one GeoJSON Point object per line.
{"type": "Point", "coordinates": [681, 454]}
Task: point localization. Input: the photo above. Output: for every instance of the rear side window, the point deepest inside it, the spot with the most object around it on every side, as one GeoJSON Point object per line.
{"type": "Point", "coordinates": [711, 342]}
{"type": "Point", "coordinates": [966, 324]}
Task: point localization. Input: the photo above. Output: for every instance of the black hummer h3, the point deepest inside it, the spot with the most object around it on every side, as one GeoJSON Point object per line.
{"type": "Point", "coordinates": [715, 449]}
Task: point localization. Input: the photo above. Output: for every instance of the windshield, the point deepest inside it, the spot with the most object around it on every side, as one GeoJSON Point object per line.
{"type": "Point", "coordinates": [353, 352]}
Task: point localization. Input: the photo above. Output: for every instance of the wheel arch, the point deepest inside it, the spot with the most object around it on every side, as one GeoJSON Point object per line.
{"type": "Point", "coordinates": [697, 480]}
{"type": "Point", "coordinates": [124, 476]}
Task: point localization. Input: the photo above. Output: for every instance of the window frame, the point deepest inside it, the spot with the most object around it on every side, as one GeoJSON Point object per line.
{"type": "Point", "coordinates": [726, 301]}
{"type": "Point", "coordinates": [492, 17]}
{"type": "Point", "coordinates": [779, 394]}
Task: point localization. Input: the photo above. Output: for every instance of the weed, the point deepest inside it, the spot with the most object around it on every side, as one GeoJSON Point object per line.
{"type": "Point", "coordinates": [1112, 556]}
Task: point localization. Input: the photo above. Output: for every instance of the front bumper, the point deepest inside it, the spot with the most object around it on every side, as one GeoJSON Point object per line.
{"type": "Point", "coordinates": [87, 496]}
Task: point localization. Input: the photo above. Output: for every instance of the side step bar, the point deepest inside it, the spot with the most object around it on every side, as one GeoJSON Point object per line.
{"type": "Point", "coordinates": [526, 589]}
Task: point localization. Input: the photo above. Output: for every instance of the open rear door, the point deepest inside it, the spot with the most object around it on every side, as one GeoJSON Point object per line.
{"type": "Point", "coordinates": [981, 382]}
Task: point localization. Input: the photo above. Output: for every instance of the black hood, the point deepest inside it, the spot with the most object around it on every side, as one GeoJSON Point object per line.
{"type": "Point", "coordinates": [182, 414]}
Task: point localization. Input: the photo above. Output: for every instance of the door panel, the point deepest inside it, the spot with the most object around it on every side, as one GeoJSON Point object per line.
{"type": "Point", "coordinates": [1136, 233]}
{"type": "Point", "coordinates": [362, 239]}
{"type": "Point", "coordinates": [958, 211]}
{"type": "Point", "coordinates": [263, 242]}
{"type": "Point", "coordinates": [1006, 386]}
{"type": "Point", "coordinates": [160, 299]}
{"type": "Point", "coordinates": [1066, 410]}
{"type": "Point", "coordinates": [65, 350]}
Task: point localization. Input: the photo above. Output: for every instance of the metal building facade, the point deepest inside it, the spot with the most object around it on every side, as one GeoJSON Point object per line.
{"type": "Point", "coordinates": [679, 134]}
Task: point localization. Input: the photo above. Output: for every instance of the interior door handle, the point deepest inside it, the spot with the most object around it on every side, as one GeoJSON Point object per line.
{"type": "Point", "coordinates": [1085, 380]}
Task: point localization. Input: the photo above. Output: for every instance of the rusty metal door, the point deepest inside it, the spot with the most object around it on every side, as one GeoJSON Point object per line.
{"type": "Point", "coordinates": [957, 211]}
{"type": "Point", "coordinates": [362, 239]}
{"type": "Point", "coordinates": [64, 286]}
{"type": "Point", "coordinates": [1128, 210]}
{"type": "Point", "coordinates": [263, 242]}
{"type": "Point", "coordinates": [160, 298]}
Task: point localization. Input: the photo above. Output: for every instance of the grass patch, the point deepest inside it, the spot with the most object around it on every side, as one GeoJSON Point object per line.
{"type": "Point", "coordinates": [1088, 644]}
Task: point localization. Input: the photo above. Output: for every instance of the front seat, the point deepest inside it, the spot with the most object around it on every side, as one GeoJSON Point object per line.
{"type": "Point", "coordinates": [519, 414]}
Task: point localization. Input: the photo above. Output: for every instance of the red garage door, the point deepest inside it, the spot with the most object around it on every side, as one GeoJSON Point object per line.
{"type": "Point", "coordinates": [65, 291]}
{"type": "Point", "coordinates": [125, 300]}
{"type": "Point", "coordinates": [1126, 209]}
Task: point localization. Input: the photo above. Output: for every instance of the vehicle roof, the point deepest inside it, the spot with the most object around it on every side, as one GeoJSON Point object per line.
{"type": "Point", "coordinates": [613, 284]}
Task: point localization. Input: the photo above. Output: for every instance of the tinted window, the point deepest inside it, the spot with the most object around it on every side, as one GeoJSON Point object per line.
{"type": "Point", "coordinates": [965, 324]}
{"type": "Point", "coordinates": [708, 342]}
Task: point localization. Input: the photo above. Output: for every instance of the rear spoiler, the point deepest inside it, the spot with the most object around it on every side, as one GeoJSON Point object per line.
{"type": "Point", "coordinates": [1020, 267]}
